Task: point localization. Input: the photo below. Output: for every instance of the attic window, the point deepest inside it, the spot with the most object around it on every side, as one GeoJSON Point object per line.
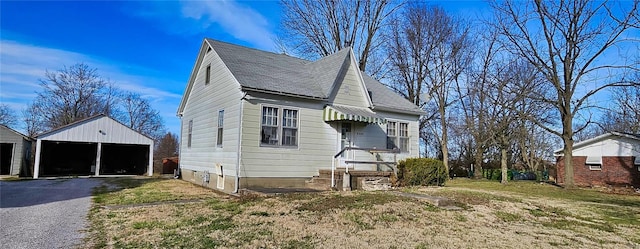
{"type": "Point", "coordinates": [208, 49]}
{"type": "Point", "coordinates": [594, 162]}
{"type": "Point", "coordinates": [208, 75]}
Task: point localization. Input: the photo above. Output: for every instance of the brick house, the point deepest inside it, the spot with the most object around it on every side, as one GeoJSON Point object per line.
{"type": "Point", "coordinates": [612, 159]}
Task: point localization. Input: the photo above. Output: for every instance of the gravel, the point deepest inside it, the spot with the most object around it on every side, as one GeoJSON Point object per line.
{"type": "Point", "coordinates": [44, 213]}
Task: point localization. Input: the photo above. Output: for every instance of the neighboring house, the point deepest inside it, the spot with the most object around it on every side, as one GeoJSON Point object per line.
{"type": "Point", "coordinates": [15, 152]}
{"type": "Point", "coordinates": [612, 159]}
{"type": "Point", "coordinates": [252, 118]}
{"type": "Point", "coordinates": [94, 146]}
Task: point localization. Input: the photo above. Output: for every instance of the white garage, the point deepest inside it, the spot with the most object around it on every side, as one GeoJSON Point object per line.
{"type": "Point", "coordinates": [95, 146]}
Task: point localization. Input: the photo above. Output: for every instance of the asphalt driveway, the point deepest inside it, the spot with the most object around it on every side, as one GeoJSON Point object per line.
{"type": "Point", "coordinates": [44, 213]}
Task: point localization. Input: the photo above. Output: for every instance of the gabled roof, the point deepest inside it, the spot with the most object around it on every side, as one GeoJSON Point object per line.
{"type": "Point", "coordinates": [16, 132]}
{"type": "Point", "coordinates": [600, 138]}
{"type": "Point", "coordinates": [84, 121]}
{"type": "Point", "coordinates": [262, 71]}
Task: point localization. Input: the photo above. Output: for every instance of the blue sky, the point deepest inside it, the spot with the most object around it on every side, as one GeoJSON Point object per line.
{"type": "Point", "coordinates": [147, 47]}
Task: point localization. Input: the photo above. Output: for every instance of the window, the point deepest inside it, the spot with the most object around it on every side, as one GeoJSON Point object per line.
{"type": "Point", "coordinates": [403, 136]}
{"type": "Point", "coordinates": [220, 127]}
{"type": "Point", "coordinates": [189, 133]}
{"type": "Point", "coordinates": [208, 75]}
{"type": "Point", "coordinates": [391, 135]}
{"type": "Point", "coordinates": [594, 162]}
{"type": "Point", "coordinates": [289, 127]}
{"type": "Point", "coordinates": [398, 136]}
{"type": "Point", "coordinates": [276, 133]}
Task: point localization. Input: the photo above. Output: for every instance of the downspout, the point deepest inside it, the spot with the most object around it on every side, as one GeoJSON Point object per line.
{"type": "Point", "coordinates": [239, 153]}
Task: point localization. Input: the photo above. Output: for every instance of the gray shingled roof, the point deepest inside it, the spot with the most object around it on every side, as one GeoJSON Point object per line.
{"type": "Point", "coordinates": [279, 73]}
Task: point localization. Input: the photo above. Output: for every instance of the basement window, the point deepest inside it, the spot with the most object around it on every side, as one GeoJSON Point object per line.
{"type": "Point", "coordinates": [637, 162]}
{"type": "Point", "coordinates": [594, 162]}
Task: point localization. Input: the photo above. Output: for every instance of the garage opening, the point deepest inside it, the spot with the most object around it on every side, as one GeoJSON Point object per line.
{"type": "Point", "coordinates": [67, 158]}
{"type": "Point", "coordinates": [6, 154]}
{"type": "Point", "coordinates": [124, 159]}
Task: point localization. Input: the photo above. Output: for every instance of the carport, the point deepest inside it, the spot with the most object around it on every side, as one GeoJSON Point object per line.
{"type": "Point", "coordinates": [95, 146]}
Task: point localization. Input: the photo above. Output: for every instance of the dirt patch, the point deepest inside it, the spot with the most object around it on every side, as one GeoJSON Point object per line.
{"type": "Point", "coordinates": [491, 219]}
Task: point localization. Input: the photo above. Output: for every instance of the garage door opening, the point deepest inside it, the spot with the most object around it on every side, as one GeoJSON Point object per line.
{"type": "Point", "coordinates": [67, 158]}
{"type": "Point", "coordinates": [124, 159]}
{"type": "Point", "coordinates": [6, 156]}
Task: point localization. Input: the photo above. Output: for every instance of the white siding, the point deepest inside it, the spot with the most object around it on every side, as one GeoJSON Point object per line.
{"type": "Point", "coordinates": [99, 130]}
{"type": "Point", "coordinates": [316, 142]}
{"type": "Point", "coordinates": [203, 104]}
{"type": "Point", "coordinates": [350, 91]}
{"type": "Point", "coordinates": [611, 146]}
{"type": "Point", "coordinates": [20, 148]}
{"type": "Point", "coordinates": [375, 135]}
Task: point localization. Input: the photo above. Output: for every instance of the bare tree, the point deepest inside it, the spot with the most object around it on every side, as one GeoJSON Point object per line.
{"type": "Point", "coordinates": [475, 98]}
{"type": "Point", "coordinates": [315, 28]}
{"type": "Point", "coordinates": [624, 115]}
{"type": "Point", "coordinates": [167, 146]}
{"type": "Point", "coordinates": [429, 50]}
{"type": "Point", "coordinates": [567, 42]}
{"type": "Point", "coordinates": [7, 116]}
{"type": "Point", "coordinates": [68, 95]}
{"type": "Point", "coordinates": [137, 114]}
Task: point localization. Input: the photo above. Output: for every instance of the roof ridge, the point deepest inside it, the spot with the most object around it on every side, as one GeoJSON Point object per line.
{"type": "Point", "coordinates": [257, 50]}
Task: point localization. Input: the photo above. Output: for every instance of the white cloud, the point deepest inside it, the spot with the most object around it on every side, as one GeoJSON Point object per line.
{"type": "Point", "coordinates": [22, 65]}
{"type": "Point", "coordinates": [210, 17]}
{"type": "Point", "coordinates": [242, 22]}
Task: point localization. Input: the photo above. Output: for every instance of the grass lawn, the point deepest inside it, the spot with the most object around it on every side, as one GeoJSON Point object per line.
{"type": "Point", "coordinates": [154, 213]}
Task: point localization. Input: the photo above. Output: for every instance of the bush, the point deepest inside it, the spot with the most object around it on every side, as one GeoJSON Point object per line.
{"type": "Point", "coordinates": [421, 171]}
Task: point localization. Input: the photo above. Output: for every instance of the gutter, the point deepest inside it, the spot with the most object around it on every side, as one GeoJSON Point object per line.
{"type": "Point", "coordinates": [239, 153]}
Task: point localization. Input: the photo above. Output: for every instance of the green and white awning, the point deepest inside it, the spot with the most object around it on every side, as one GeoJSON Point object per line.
{"type": "Point", "coordinates": [340, 113]}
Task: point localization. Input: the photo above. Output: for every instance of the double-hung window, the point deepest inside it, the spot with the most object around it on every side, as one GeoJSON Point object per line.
{"type": "Point", "coordinates": [398, 136]}
{"type": "Point", "coordinates": [279, 127]}
{"type": "Point", "coordinates": [220, 127]}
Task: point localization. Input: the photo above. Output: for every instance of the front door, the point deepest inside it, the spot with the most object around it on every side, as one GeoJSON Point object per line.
{"type": "Point", "coordinates": [346, 140]}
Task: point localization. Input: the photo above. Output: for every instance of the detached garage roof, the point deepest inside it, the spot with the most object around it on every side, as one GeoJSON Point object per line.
{"type": "Point", "coordinates": [97, 129]}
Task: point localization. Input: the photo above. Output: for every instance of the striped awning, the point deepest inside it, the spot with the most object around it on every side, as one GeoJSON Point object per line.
{"type": "Point", "coordinates": [338, 113]}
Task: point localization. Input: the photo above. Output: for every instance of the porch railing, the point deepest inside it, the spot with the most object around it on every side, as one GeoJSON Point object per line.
{"type": "Point", "coordinates": [352, 161]}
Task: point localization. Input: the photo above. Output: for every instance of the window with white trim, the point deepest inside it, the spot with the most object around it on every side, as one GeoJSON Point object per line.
{"type": "Point", "coordinates": [220, 127]}
{"type": "Point", "coordinates": [275, 133]}
{"type": "Point", "coordinates": [190, 132]}
{"type": "Point", "coordinates": [398, 136]}
{"type": "Point", "coordinates": [594, 162]}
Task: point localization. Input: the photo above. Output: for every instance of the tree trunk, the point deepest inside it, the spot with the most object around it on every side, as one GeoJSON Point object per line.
{"type": "Point", "coordinates": [567, 138]}
{"type": "Point", "coordinates": [503, 160]}
{"type": "Point", "coordinates": [568, 162]}
{"type": "Point", "coordinates": [477, 169]}
{"type": "Point", "coordinates": [443, 142]}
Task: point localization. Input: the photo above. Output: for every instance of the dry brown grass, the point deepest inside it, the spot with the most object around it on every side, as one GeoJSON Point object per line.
{"type": "Point", "coordinates": [491, 219]}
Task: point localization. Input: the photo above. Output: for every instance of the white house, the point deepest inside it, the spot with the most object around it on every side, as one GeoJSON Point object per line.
{"type": "Point", "coordinates": [609, 159]}
{"type": "Point", "coordinates": [253, 118]}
